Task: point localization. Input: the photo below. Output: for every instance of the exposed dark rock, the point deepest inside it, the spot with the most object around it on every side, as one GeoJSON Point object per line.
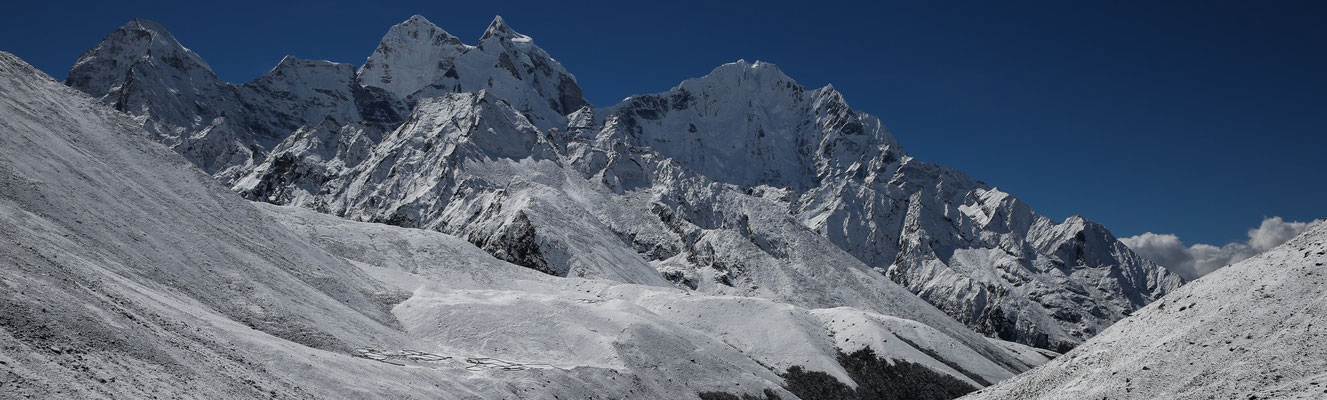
{"type": "Point", "coordinates": [768, 395]}
{"type": "Point", "coordinates": [876, 378]}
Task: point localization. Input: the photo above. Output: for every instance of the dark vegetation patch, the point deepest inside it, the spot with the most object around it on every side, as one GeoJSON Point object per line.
{"type": "Point", "coordinates": [769, 395]}
{"type": "Point", "coordinates": [876, 379]}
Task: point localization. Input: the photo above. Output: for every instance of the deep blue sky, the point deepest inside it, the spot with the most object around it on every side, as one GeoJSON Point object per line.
{"type": "Point", "coordinates": [1196, 119]}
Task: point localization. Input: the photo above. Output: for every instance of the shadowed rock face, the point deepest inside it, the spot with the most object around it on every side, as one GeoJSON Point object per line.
{"type": "Point", "coordinates": [740, 182]}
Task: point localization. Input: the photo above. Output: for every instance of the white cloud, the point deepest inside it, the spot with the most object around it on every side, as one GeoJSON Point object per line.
{"type": "Point", "coordinates": [1200, 259]}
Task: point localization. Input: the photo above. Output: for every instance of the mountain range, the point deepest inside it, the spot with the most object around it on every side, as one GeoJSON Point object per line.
{"type": "Point", "coordinates": [457, 220]}
{"type": "Point", "coordinates": [131, 273]}
{"type": "Point", "coordinates": [741, 182]}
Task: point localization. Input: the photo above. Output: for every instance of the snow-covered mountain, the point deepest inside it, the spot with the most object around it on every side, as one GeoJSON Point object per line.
{"type": "Point", "coordinates": [972, 250]}
{"type": "Point", "coordinates": [1251, 330]}
{"type": "Point", "coordinates": [224, 128]}
{"type": "Point", "coordinates": [142, 70]}
{"type": "Point", "coordinates": [130, 273]}
{"type": "Point", "coordinates": [741, 182]}
{"type": "Point", "coordinates": [417, 59]}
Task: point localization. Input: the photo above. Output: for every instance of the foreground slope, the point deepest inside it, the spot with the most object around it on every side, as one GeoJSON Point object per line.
{"type": "Point", "coordinates": [1254, 329]}
{"type": "Point", "coordinates": [117, 252]}
{"type": "Point", "coordinates": [129, 273]}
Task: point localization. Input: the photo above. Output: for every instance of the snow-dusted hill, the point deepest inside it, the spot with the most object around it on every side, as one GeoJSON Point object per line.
{"type": "Point", "coordinates": [130, 273]}
{"type": "Point", "coordinates": [741, 182]}
{"type": "Point", "coordinates": [1252, 330]}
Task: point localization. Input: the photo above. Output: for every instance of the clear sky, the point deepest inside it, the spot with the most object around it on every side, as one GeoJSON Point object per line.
{"type": "Point", "coordinates": [1197, 119]}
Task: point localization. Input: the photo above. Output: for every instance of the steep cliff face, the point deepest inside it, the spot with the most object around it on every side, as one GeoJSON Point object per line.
{"type": "Point", "coordinates": [739, 182]}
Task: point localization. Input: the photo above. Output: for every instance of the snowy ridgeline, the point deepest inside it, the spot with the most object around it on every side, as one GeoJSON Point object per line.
{"type": "Point", "coordinates": [741, 182]}
{"type": "Point", "coordinates": [130, 273]}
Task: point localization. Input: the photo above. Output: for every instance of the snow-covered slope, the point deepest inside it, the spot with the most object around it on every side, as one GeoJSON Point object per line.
{"type": "Point", "coordinates": [129, 273]}
{"type": "Point", "coordinates": [118, 253]}
{"type": "Point", "coordinates": [1252, 330]}
{"type": "Point", "coordinates": [740, 182]}
{"type": "Point", "coordinates": [465, 299]}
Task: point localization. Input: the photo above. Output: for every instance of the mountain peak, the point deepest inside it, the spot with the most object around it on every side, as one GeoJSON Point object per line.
{"type": "Point", "coordinates": [145, 24]}
{"type": "Point", "coordinates": [418, 20]}
{"type": "Point", "coordinates": [499, 29]}
{"type": "Point", "coordinates": [412, 55]}
{"type": "Point", "coordinates": [287, 61]}
{"type": "Point", "coordinates": [419, 29]}
{"type": "Point", "coordinates": [734, 74]}
{"type": "Point", "coordinates": [129, 54]}
{"type": "Point", "coordinates": [140, 38]}
{"type": "Point", "coordinates": [742, 66]}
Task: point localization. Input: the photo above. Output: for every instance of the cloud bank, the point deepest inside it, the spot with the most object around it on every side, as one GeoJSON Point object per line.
{"type": "Point", "coordinates": [1200, 259]}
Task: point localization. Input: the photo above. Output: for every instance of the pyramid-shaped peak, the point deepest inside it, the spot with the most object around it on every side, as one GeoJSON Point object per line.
{"type": "Point", "coordinates": [418, 20]}
{"type": "Point", "coordinates": [158, 32]}
{"type": "Point", "coordinates": [499, 29]}
{"type": "Point", "coordinates": [145, 24]}
{"type": "Point", "coordinates": [420, 29]}
{"type": "Point", "coordinates": [287, 61]}
{"type": "Point", "coordinates": [140, 38]}
{"type": "Point", "coordinates": [409, 57]}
